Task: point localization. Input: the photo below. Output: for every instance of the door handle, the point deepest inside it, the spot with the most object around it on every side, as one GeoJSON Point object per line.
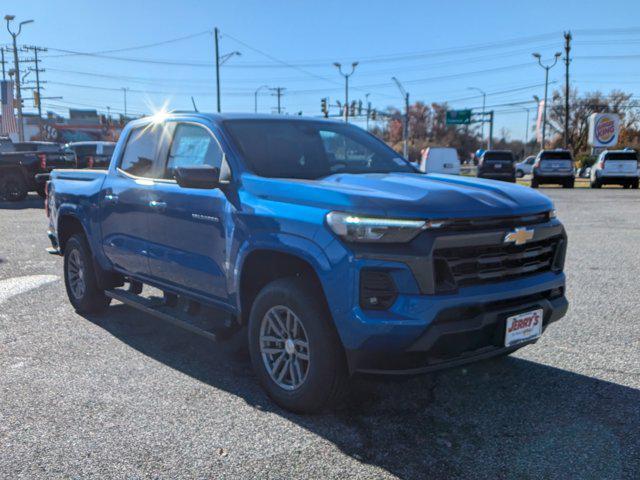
{"type": "Point", "coordinates": [111, 198]}
{"type": "Point", "coordinates": [157, 205]}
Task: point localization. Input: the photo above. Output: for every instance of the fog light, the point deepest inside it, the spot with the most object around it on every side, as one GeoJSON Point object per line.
{"type": "Point", "coordinates": [556, 292]}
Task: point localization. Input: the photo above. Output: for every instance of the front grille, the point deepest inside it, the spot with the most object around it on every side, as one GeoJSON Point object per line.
{"type": "Point", "coordinates": [465, 266]}
{"type": "Point", "coordinates": [486, 223]}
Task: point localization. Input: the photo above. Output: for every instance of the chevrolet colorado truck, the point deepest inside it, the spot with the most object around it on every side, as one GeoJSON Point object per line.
{"type": "Point", "coordinates": [313, 242]}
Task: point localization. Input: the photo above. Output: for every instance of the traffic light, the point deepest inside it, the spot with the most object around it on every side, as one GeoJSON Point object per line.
{"type": "Point", "coordinates": [359, 107]}
{"type": "Point", "coordinates": [323, 107]}
{"type": "Point", "coordinates": [373, 114]}
{"type": "Point", "coordinates": [36, 98]}
{"type": "Point", "coordinates": [353, 109]}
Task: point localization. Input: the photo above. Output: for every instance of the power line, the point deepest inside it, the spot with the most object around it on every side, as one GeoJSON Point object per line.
{"type": "Point", "coordinates": [127, 49]}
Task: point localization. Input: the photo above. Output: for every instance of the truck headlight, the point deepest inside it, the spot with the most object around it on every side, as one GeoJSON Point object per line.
{"type": "Point", "coordinates": [357, 228]}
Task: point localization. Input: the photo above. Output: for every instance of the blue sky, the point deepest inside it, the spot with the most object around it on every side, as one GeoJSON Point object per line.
{"type": "Point", "coordinates": [437, 49]}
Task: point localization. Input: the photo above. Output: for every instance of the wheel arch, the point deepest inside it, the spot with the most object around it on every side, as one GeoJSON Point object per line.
{"type": "Point", "coordinates": [263, 264]}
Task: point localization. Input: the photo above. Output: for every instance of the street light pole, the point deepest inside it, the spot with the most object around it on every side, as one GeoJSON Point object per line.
{"type": "Point", "coordinates": [124, 91]}
{"type": "Point", "coordinates": [255, 97]}
{"type": "Point", "coordinates": [366, 99]}
{"type": "Point", "coordinates": [219, 61]}
{"type": "Point", "coordinates": [484, 101]}
{"type": "Point", "coordinates": [346, 86]}
{"type": "Point", "coordinates": [16, 62]}
{"type": "Point", "coordinates": [526, 131]}
{"type": "Point", "coordinates": [546, 87]}
{"type": "Point", "coordinates": [405, 129]}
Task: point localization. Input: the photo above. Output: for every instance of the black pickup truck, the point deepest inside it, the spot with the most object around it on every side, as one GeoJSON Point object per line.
{"type": "Point", "coordinates": [22, 165]}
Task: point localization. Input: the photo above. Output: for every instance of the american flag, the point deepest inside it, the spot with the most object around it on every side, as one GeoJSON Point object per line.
{"type": "Point", "coordinates": [9, 123]}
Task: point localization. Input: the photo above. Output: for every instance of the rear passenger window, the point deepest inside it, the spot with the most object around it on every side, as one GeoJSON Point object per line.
{"type": "Point", "coordinates": [139, 156]}
{"type": "Point", "coordinates": [193, 146]}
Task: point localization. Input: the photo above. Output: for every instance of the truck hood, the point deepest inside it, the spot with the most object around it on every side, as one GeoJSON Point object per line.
{"type": "Point", "coordinates": [403, 195]}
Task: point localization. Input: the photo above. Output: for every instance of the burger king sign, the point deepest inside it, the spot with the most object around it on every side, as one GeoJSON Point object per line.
{"type": "Point", "coordinates": [603, 129]}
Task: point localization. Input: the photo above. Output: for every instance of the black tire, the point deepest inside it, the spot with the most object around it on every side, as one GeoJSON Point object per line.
{"type": "Point", "coordinates": [626, 185]}
{"type": "Point", "coordinates": [326, 378]}
{"type": "Point", "coordinates": [534, 183]}
{"type": "Point", "coordinates": [568, 184]}
{"type": "Point", "coordinates": [92, 299]}
{"type": "Point", "coordinates": [635, 184]}
{"type": "Point", "coordinates": [12, 186]}
{"type": "Point", "coordinates": [519, 173]}
{"type": "Point", "coordinates": [596, 183]}
{"type": "Point", "coordinates": [40, 189]}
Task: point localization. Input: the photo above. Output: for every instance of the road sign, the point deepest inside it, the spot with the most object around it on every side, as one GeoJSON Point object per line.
{"type": "Point", "coordinates": [458, 117]}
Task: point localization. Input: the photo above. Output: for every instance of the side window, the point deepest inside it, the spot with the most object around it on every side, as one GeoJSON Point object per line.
{"type": "Point", "coordinates": [531, 161]}
{"type": "Point", "coordinates": [193, 146]}
{"type": "Point", "coordinates": [139, 156]}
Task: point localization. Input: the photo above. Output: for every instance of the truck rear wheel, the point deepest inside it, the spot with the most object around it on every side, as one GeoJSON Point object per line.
{"type": "Point", "coordinates": [294, 347]}
{"type": "Point", "coordinates": [80, 277]}
{"type": "Point", "coordinates": [12, 186]}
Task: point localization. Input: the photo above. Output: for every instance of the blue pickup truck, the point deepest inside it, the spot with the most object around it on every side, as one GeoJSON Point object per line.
{"type": "Point", "coordinates": [314, 243]}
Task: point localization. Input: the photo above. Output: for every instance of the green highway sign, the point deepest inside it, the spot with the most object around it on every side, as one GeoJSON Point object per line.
{"type": "Point", "coordinates": [458, 117]}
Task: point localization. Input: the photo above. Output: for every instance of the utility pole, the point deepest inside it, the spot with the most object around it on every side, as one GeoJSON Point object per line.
{"type": "Point", "coordinates": [346, 87]}
{"type": "Point", "coordinates": [215, 36]}
{"type": "Point", "coordinates": [3, 62]}
{"type": "Point", "coordinates": [220, 59]}
{"type": "Point", "coordinates": [38, 92]}
{"type": "Point", "coordinates": [124, 91]}
{"type": "Point", "coordinates": [14, 35]}
{"type": "Point", "coordinates": [278, 93]}
{"type": "Point", "coordinates": [567, 61]}
{"type": "Point", "coordinates": [405, 128]}
{"type": "Point", "coordinates": [546, 88]}
{"type": "Point", "coordinates": [490, 142]}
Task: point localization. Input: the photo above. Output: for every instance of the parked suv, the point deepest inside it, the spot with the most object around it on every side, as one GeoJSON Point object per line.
{"type": "Point", "coordinates": [312, 242]}
{"type": "Point", "coordinates": [553, 166]}
{"type": "Point", "coordinates": [497, 165]}
{"type": "Point", "coordinates": [619, 167]}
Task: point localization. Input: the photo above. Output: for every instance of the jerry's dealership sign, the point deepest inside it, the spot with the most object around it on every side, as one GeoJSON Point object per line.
{"type": "Point", "coordinates": [604, 129]}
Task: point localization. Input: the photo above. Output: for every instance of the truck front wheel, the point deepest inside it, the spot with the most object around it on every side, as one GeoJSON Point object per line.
{"type": "Point", "coordinates": [294, 347]}
{"type": "Point", "coordinates": [80, 277]}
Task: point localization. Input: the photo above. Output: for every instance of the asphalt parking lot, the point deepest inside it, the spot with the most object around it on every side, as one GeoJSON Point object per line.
{"type": "Point", "coordinates": [126, 396]}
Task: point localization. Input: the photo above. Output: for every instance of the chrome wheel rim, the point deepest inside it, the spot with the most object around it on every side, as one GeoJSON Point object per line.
{"type": "Point", "coordinates": [284, 346]}
{"type": "Point", "coordinates": [76, 270]}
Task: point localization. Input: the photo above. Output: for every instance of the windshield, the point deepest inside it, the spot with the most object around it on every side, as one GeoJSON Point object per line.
{"type": "Point", "coordinates": [622, 156]}
{"type": "Point", "coordinates": [311, 150]}
{"type": "Point", "coordinates": [559, 155]}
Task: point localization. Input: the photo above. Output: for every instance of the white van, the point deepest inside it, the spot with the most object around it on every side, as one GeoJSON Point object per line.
{"type": "Point", "coordinates": [440, 160]}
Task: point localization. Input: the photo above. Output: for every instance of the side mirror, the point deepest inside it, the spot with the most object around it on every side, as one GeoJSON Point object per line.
{"type": "Point", "coordinates": [205, 177]}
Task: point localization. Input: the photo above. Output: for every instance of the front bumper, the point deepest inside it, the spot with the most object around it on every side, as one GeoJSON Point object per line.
{"type": "Point", "coordinates": [458, 335]}
{"type": "Point", "coordinates": [507, 177]}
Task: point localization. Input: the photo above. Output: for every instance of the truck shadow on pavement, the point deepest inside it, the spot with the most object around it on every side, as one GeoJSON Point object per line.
{"type": "Point", "coordinates": [501, 418]}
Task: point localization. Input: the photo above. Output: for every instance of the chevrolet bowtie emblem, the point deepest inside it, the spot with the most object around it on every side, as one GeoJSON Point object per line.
{"type": "Point", "coordinates": [519, 236]}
